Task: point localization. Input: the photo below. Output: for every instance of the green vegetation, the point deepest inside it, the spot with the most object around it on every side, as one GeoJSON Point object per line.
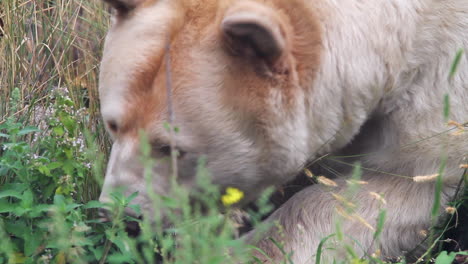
{"type": "Point", "coordinates": [53, 149]}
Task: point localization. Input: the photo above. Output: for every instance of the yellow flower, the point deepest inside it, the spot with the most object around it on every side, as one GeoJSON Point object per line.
{"type": "Point", "coordinates": [232, 196]}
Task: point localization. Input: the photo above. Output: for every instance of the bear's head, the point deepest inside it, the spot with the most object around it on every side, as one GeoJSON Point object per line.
{"type": "Point", "coordinates": [229, 74]}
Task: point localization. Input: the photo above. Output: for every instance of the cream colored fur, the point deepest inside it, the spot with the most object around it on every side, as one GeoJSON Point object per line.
{"type": "Point", "coordinates": [378, 89]}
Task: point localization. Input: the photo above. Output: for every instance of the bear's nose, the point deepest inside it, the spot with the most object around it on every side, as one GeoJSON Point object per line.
{"type": "Point", "coordinates": [132, 228]}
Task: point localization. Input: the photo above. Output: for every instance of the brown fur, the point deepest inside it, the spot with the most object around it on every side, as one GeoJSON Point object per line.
{"type": "Point", "coordinates": [148, 92]}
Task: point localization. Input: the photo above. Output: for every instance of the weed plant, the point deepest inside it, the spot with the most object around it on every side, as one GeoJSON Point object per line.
{"type": "Point", "coordinates": [45, 219]}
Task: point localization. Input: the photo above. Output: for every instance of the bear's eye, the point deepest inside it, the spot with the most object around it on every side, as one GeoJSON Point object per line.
{"type": "Point", "coordinates": [113, 127]}
{"type": "Point", "coordinates": [121, 6]}
{"type": "Point", "coordinates": [165, 150]}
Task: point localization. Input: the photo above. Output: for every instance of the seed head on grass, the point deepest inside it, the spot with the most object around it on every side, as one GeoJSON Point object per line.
{"type": "Point", "coordinates": [423, 233]}
{"type": "Point", "coordinates": [455, 124]}
{"type": "Point", "coordinates": [354, 217]}
{"type": "Point", "coordinates": [458, 133]}
{"type": "Point", "coordinates": [320, 179]}
{"type": "Point", "coordinates": [363, 221]}
{"type": "Point", "coordinates": [309, 173]}
{"type": "Point", "coordinates": [327, 182]}
{"type": "Point", "coordinates": [450, 210]}
{"type": "Point", "coordinates": [354, 182]}
{"type": "Point", "coordinates": [426, 178]}
{"type": "Point", "coordinates": [232, 196]}
{"type": "Point", "coordinates": [341, 211]}
{"type": "Point", "coordinates": [460, 128]}
{"type": "Point", "coordinates": [344, 201]}
{"type": "Point", "coordinates": [378, 197]}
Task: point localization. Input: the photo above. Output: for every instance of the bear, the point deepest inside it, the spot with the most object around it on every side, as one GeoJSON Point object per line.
{"type": "Point", "coordinates": [262, 88]}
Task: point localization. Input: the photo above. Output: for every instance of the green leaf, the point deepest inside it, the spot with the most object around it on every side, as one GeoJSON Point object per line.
{"type": "Point", "coordinates": [16, 228]}
{"type": "Point", "coordinates": [19, 187]}
{"type": "Point", "coordinates": [59, 131]}
{"type": "Point", "coordinates": [456, 62]}
{"type": "Point", "coordinates": [69, 154]}
{"type": "Point", "coordinates": [44, 170]}
{"type": "Point", "coordinates": [28, 130]}
{"type": "Point", "coordinates": [170, 202]}
{"type": "Point", "coordinates": [54, 165]}
{"type": "Point", "coordinates": [28, 199]}
{"type": "Point", "coordinates": [37, 210]}
{"type": "Point", "coordinates": [117, 196]}
{"type": "Point", "coordinates": [380, 223]}
{"type": "Point", "coordinates": [131, 197]}
{"type": "Point", "coordinates": [49, 190]}
{"type": "Point", "coordinates": [445, 258]}
{"type": "Point", "coordinates": [4, 135]}
{"type": "Point", "coordinates": [59, 200]}
{"type": "Point", "coordinates": [71, 207]}
{"type": "Point", "coordinates": [121, 244]}
{"type": "Point", "coordinates": [3, 171]}
{"type": "Point", "coordinates": [318, 256]}
{"type": "Point", "coordinates": [136, 208]}
{"type": "Point", "coordinates": [98, 252]}
{"type": "Point", "coordinates": [68, 122]}
{"type": "Point", "coordinates": [119, 258]}
{"type": "Point", "coordinates": [11, 193]}
{"type": "Point", "coordinates": [7, 207]}
{"type": "Point", "coordinates": [446, 107]}
{"type": "Point", "coordinates": [18, 258]}
{"type": "Point", "coordinates": [438, 189]}
{"type": "Point", "coordinates": [69, 165]}
{"type": "Point", "coordinates": [20, 211]}
{"type": "Point", "coordinates": [59, 190]}
{"type": "Point", "coordinates": [32, 241]}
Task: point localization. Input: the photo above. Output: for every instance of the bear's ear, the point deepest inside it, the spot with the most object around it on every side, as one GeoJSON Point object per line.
{"type": "Point", "coordinates": [255, 31]}
{"type": "Point", "coordinates": [124, 6]}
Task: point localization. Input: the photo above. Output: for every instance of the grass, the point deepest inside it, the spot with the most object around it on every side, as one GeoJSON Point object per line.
{"type": "Point", "coordinates": [50, 132]}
